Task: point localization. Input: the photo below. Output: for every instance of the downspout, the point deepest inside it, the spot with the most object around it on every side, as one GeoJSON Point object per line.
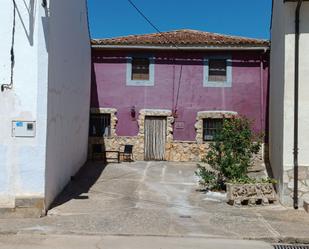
{"type": "Point", "coordinates": [296, 91]}
{"type": "Point", "coordinates": [262, 90]}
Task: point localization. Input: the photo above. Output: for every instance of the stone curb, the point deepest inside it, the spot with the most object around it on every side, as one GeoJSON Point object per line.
{"type": "Point", "coordinates": [271, 240]}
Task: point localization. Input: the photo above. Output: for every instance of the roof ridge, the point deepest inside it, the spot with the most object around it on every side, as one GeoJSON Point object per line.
{"type": "Point", "coordinates": [181, 30]}
{"type": "Point", "coordinates": [182, 37]}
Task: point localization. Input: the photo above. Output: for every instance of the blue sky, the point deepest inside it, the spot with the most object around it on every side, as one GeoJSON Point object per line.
{"type": "Point", "coordinates": [110, 18]}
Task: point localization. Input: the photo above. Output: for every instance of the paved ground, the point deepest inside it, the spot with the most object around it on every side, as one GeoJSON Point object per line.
{"type": "Point", "coordinates": [120, 242]}
{"type": "Point", "coordinates": [156, 199]}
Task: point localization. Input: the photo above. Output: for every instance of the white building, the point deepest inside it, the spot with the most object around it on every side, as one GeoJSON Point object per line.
{"type": "Point", "coordinates": [282, 101]}
{"type": "Point", "coordinates": [44, 111]}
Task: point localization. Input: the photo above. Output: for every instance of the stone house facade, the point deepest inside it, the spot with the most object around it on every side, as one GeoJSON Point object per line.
{"type": "Point", "coordinates": [188, 79]}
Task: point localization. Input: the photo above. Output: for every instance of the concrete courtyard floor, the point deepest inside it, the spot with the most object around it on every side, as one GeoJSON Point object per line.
{"type": "Point", "coordinates": [156, 199]}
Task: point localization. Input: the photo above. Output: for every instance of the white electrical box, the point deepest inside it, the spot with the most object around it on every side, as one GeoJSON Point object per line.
{"type": "Point", "coordinates": [23, 128]}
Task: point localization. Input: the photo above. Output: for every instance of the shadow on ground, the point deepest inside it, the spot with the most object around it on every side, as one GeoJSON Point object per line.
{"type": "Point", "coordinates": [156, 199]}
{"type": "Point", "coordinates": [81, 183]}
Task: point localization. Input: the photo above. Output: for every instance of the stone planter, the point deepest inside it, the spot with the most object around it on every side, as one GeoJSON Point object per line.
{"type": "Point", "coordinates": [238, 194]}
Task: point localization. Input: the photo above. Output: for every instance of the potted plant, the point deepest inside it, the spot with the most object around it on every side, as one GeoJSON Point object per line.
{"type": "Point", "coordinates": [229, 157]}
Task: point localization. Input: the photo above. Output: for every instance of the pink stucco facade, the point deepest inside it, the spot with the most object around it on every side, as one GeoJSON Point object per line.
{"type": "Point", "coordinates": [247, 96]}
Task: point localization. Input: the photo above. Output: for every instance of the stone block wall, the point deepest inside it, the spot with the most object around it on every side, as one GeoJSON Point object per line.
{"type": "Point", "coordinates": [288, 185]}
{"type": "Point", "coordinates": [118, 142]}
{"type": "Point", "coordinates": [178, 151]}
{"type": "Point", "coordinates": [182, 151]}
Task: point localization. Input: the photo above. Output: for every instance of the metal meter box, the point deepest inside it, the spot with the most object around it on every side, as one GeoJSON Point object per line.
{"type": "Point", "coordinates": [23, 128]}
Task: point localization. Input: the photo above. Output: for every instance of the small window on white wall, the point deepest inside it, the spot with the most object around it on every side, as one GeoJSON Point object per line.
{"type": "Point", "coordinates": [140, 71]}
{"type": "Point", "coordinates": [217, 71]}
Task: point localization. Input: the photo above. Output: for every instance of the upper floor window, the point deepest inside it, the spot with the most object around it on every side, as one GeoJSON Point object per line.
{"type": "Point", "coordinates": [100, 125]}
{"type": "Point", "coordinates": [140, 71]}
{"type": "Point", "coordinates": [217, 71]}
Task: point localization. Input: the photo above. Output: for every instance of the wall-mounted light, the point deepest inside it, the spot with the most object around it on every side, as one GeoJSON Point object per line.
{"type": "Point", "coordinates": [133, 112]}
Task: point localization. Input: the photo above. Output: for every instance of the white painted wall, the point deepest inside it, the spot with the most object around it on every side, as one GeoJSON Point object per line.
{"type": "Point", "coordinates": [68, 93]}
{"type": "Point", "coordinates": [22, 159]}
{"type": "Point", "coordinates": [52, 87]}
{"type": "Point", "coordinates": [282, 90]}
{"type": "Point", "coordinates": [303, 86]}
{"type": "Point", "coordinates": [276, 102]}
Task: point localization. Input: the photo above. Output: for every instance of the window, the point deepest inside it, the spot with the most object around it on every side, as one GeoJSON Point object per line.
{"type": "Point", "coordinates": [140, 71]}
{"type": "Point", "coordinates": [217, 71]}
{"type": "Point", "coordinates": [100, 125]}
{"type": "Point", "coordinates": [211, 126]}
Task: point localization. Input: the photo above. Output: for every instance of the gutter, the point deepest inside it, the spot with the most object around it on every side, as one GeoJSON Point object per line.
{"type": "Point", "coordinates": [111, 47]}
{"type": "Point", "coordinates": [296, 96]}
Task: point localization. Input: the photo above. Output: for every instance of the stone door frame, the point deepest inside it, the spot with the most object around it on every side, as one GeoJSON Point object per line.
{"type": "Point", "coordinates": [143, 113]}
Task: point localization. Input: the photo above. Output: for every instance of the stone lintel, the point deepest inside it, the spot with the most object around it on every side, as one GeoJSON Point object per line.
{"type": "Point", "coordinates": [156, 112]}
{"type": "Point", "coordinates": [103, 110]}
{"type": "Point", "coordinates": [215, 114]}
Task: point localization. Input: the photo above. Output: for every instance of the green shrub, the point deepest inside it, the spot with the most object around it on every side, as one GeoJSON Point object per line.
{"type": "Point", "coordinates": [208, 179]}
{"type": "Point", "coordinates": [231, 152]}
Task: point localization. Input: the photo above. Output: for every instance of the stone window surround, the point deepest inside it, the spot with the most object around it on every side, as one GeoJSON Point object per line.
{"type": "Point", "coordinates": [209, 114]}
{"type": "Point", "coordinates": [156, 112]}
{"type": "Point", "coordinates": [129, 81]}
{"type": "Point", "coordinates": [112, 112]}
{"type": "Point", "coordinates": [228, 82]}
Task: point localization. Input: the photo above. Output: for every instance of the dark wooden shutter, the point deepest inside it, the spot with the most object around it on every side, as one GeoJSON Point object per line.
{"type": "Point", "coordinates": [217, 70]}
{"type": "Point", "coordinates": [140, 69]}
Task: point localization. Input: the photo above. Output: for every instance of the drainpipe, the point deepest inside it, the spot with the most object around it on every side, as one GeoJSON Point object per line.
{"type": "Point", "coordinates": [262, 89]}
{"type": "Point", "coordinates": [296, 90]}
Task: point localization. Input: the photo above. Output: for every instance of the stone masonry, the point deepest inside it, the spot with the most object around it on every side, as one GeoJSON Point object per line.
{"type": "Point", "coordinates": [303, 185]}
{"type": "Point", "coordinates": [208, 114]}
{"type": "Point", "coordinates": [179, 151]}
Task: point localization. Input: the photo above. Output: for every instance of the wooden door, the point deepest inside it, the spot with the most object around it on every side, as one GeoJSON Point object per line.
{"type": "Point", "coordinates": [155, 138]}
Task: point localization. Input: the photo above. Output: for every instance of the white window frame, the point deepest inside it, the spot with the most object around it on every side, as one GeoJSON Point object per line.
{"type": "Point", "coordinates": [130, 82]}
{"type": "Point", "coordinates": [229, 76]}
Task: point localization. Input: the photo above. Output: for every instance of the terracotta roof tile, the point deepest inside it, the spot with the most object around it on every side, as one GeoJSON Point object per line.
{"type": "Point", "coordinates": [182, 38]}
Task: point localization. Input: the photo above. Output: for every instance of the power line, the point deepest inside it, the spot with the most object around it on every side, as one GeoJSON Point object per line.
{"type": "Point", "coordinates": [178, 89]}
{"type": "Point", "coordinates": [10, 85]}
{"type": "Point", "coordinates": [165, 37]}
{"type": "Point", "coordinates": [151, 23]}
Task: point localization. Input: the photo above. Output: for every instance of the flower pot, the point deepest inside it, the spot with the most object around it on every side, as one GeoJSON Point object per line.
{"type": "Point", "coordinates": [238, 194]}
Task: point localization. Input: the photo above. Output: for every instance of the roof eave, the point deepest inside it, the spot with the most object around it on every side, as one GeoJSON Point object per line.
{"type": "Point", "coordinates": [192, 48]}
